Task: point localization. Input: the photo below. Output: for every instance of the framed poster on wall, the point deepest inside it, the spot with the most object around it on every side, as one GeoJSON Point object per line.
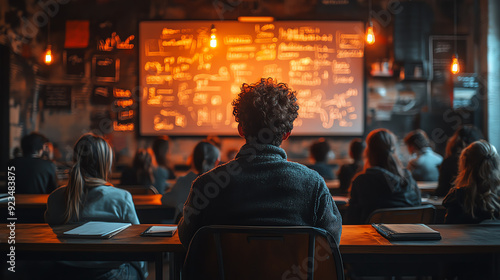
{"type": "Point", "coordinates": [441, 51]}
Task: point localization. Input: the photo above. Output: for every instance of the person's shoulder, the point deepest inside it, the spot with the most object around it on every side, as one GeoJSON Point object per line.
{"type": "Point", "coordinates": [111, 192]}
{"type": "Point", "coordinates": [188, 178]}
{"type": "Point", "coordinates": [57, 194]}
{"type": "Point", "coordinates": [453, 197]}
{"type": "Point", "coordinates": [299, 170]}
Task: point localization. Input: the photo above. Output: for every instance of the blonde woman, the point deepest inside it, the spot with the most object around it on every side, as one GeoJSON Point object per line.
{"type": "Point", "coordinates": [89, 197]}
{"type": "Point", "coordinates": [475, 197]}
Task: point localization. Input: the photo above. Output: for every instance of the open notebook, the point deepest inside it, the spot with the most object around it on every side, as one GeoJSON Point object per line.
{"type": "Point", "coordinates": [407, 232]}
{"type": "Point", "coordinates": [97, 230]}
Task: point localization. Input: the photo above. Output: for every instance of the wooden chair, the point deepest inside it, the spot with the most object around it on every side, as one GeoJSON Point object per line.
{"type": "Point", "coordinates": [138, 189]}
{"type": "Point", "coordinates": [258, 252]}
{"type": "Point", "coordinates": [404, 215]}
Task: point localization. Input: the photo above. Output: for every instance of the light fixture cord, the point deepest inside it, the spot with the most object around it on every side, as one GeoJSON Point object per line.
{"type": "Point", "coordinates": [455, 25]}
{"type": "Point", "coordinates": [48, 33]}
{"type": "Point", "coordinates": [369, 12]}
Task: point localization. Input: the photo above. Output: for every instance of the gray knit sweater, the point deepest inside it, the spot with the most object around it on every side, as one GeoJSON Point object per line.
{"type": "Point", "coordinates": [260, 187]}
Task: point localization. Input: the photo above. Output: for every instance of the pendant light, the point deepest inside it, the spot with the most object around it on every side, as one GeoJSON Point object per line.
{"type": "Point", "coordinates": [370, 35]}
{"type": "Point", "coordinates": [455, 65]}
{"type": "Point", "coordinates": [213, 37]}
{"type": "Point", "coordinates": [48, 52]}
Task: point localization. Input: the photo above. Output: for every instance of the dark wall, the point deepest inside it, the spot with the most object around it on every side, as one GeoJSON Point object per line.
{"type": "Point", "coordinates": [4, 106]}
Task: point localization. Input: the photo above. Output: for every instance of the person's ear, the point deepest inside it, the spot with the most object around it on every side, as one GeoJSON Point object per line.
{"type": "Point", "coordinates": [240, 131]}
{"type": "Point", "coordinates": [286, 135]}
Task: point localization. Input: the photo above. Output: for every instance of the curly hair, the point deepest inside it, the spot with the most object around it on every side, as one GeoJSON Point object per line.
{"type": "Point", "coordinates": [266, 111]}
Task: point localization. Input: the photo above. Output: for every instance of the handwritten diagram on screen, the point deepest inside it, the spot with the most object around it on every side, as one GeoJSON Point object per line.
{"type": "Point", "coordinates": [190, 72]}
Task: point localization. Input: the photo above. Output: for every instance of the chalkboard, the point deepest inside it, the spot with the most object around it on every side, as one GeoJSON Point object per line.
{"type": "Point", "coordinates": [56, 97]}
{"type": "Point", "coordinates": [187, 86]}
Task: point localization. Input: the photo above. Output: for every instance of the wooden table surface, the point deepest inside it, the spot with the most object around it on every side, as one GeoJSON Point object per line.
{"type": "Point", "coordinates": [356, 239]}
{"type": "Point", "coordinates": [359, 244]}
{"type": "Point", "coordinates": [456, 239]}
{"type": "Point", "coordinates": [40, 200]}
{"type": "Point", "coordinates": [41, 237]}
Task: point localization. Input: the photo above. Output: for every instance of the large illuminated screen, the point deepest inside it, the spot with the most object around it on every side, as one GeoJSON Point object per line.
{"type": "Point", "coordinates": [190, 72]}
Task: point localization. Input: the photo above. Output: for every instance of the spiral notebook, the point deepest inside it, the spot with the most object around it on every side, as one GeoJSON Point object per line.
{"type": "Point", "coordinates": [407, 232]}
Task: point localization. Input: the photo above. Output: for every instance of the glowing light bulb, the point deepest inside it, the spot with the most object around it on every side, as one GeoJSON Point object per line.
{"type": "Point", "coordinates": [455, 66]}
{"type": "Point", "coordinates": [48, 55]}
{"type": "Point", "coordinates": [213, 41]}
{"type": "Point", "coordinates": [370, 36]}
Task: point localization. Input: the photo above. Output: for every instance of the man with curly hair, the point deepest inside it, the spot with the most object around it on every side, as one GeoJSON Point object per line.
{"type": "Point", "coordinates": [260, 187]}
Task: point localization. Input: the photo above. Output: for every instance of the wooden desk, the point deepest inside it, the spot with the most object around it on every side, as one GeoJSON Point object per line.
{"type": "Point", "coordinates": [359, 244]}
{"type": "Point", "coordinates": [40, 200]}
{"type": "Point", "coordinates": [40, 242]}
{"type": "Point", "coordinates": [33, 206]}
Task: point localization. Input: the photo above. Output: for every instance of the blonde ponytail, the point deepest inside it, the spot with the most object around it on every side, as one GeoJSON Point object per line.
{"type": "Point", "coordinates": [93, 159]}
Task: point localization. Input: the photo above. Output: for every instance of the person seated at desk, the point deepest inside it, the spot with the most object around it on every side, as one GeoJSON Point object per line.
{"type": "Point", "coordinates": [145, 172]}
{"type": "Point", "coordinates": [424, 161]}
{"type": "Point", "coordinates": [90, 197]}
{"type": "Point", "coordinates": [476, 195]}
{"type": "Point", "coordinates": [463, 137]}
{"type": "Point", "coordinates": [384, 183]}
{"type": "Point", "coordinates": [260, 187]}
{"type": "Point", "coordinates": [348, 171]}
{"type": "Point", "coordinates": [34, 175]}
{"type": "Point", "coordinates": [160, 149]}
{"type": "Point", "coordinates": [319, 153]}
{"type": "Point", "coordinates": [205, 157]}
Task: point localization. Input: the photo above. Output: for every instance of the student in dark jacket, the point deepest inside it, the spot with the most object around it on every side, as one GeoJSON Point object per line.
{"type": "Point", "coordinates": [448, 171]}
{"type": "Point", "coordinates": [260, 187]}
{"type": "Point", "coordinates": [145, 172]}
{"type": "Point", "coordinates": [384, 183]}
{"type": "Point", "coordinates": [205, 157]}
{"type": "Point", "coordinates": [160, 149]}
{"type": "Point", "coordinates": [476, 195]}
{"type": "Point", "coordinates": [319, 153]}
{"type": "Point", "coordinates": [348, 171]}
{"type": "Point", "coordinates": [34, 175]}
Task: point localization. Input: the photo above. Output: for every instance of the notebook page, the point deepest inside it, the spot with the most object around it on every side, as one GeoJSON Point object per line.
{"type": "Point", "coordinates": [97, 228]}
{"type": "Point", "coordinates": [409, 228]}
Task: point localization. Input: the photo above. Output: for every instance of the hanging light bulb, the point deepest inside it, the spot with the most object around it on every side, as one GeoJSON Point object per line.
{"type": "Point", "coordinates": [48, 55]}
{"type": "Point", "coordinates": [455, 66]}
{"type": "Point", "coordinates": [48, 52]}
{"type": "Point", "coordinates": [213, 38]}
{"type": "Point", "coordinates": [370, 36]}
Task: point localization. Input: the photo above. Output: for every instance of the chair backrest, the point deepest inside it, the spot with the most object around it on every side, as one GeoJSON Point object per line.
{"type": "Point", "coordinates": [404, 215]}
{"type": "Point", "coordinates": [139, 189]}
{"type": "Point", "coordinates": [257, 252]}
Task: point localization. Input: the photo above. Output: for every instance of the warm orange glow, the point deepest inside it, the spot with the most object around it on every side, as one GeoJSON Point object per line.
{"type": "Point", "coordinates": [213, 41]}
{"type": "Point", "coordinates": [455, 66]}
{"type": "Point", "coordinates": [123, 127]}
{"type": "Point", "coordinates": [255, 19]}
{"type": "Point", "coordinates": [48, 55]}
{"type": "Point", "coordinates": [370, 36]}
{"type": "Point", "coordinates": [213, 38]}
